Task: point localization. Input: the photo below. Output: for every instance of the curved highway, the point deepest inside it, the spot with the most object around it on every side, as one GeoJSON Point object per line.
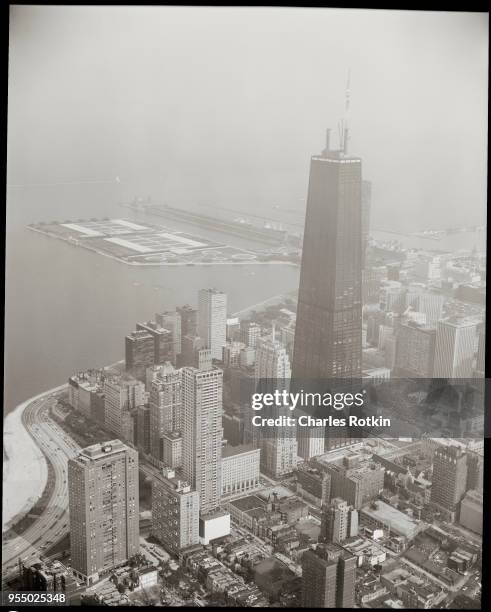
{"type": "Point", "coordinates": [52, 524]}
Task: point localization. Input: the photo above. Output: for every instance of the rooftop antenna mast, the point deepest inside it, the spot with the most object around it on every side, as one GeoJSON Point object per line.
{"type": "Point", "coordinates": [343, 125]}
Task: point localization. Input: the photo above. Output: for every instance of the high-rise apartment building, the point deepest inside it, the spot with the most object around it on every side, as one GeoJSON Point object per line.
{"type": "Point", "coordinates": [455, 348]}
{"type": "Point", "coordinates": [142, 437]}
{"type": "Point", "coordinates": [202, 433]}
{"type": "Point", "coordinates": [104, 508]}
{"type": "Point", "coordinates": [163, 341]}
{"type": "Point", "coordinates": [122, 396]}
{"type": "Point", "coordinates": [165, 408]}
{"type": "Point", "coordinates": [189, 320]}
{"type": "Point", "coordinates": [328, 577]}
{"type": "Point", "coordinates": [449, 480]}
{"type": "Point", "coordinates": [212, 320]}
{"type": "Point", "coordinates": [272, 372]}
{"type": "Point", "coordinates": [175, 512]}
{"type": "Point", "coordinates": [139, 353]}
{"type": "Point", "coordinates": [171, 320]}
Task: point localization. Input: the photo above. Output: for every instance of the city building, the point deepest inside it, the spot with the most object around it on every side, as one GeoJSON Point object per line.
{"type": "Point", "coordinates": [247, 357]}
{"type": "Point", "coordinates": [163, 341]}
{"type": "Point", "coordinates": [449, 480]}
{"type": "Point", "coordinates": [272, 372]}
{"type": "Point", "coordinates": [249, 332]}
{"type": "Point", "coordinates": [103, 508]}
{"type": "Point", "coordinates": [233, 329]}
{"type": "Point", "coordinates": [415, 351]}
{"type": "Point", "coordinates": [328, 330]}
{"type": "Point", "coordinates": [339, 522]}
{"type": "Point", "coordinates": [430, 304]}
{"type": "Point", "coordinates": [175, 512]}
{"type": "Point", "coordinates": [231, 354]}
{"type": "Point", "coordinates": [287, 338]}
{"type": "Point", "coordinates": [139, 353]}
{"type": "Point", "coordinates": [240, 469]}
{"type": "Point", "coordinates": [366, 204]}
{"type": "Point", "coordinates": [475, 471]}
{"type": "Point", "coordinates": [172, 449]}
{"type": "Point", "coordinates": [393, 297]}
{"type": "Point", "coordinates": [455, 348]}
{"type": "Point", "coordinates": [122, 396]}
{"type": "Point", "coordinates": [471, 511]}
{"type": "Point", "coordinates": [189, 320]}
{"type": "Point", "coordinates": [171, 320]}
{"type": "Point", "coordinates": [372, 279]}
{"type": "Point", "coordinates": [313, 484]}
{"type": "Point", "coordinates": [86, 394]}
{"type": "Point", "coordinates": [428, 268]}
{"type": "Point", "coordinates": [165, 408]}
{"type": "Point", "coordinates": [380, 515]}
{"type": "Point", "coordinates": [481, 350]}
{"type": "Point", "coordinates": [374, 322]}
{"type": "Point", "coordinates": [212, 320]}
{"type": "Point", "coordinates": [310, 440]}
{"type": "Point", "coordinates": [190, 345]}
{"type": "Point", "coordinates": [213, 525]}
{"type": "Point", "coordinates": [202, 433]}
{"type": "Point", "coordinates": [357, 485]}
{"type": "Point", "coordinates": [142, 437]}
{"type": "Point", "coordinates": [329, 318]}
{"type": "Point", "coordinates": [328, 577]}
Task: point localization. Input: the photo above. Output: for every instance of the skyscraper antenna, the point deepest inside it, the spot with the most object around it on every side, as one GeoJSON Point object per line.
{"type": "Point", "coordinates": [346, 114]}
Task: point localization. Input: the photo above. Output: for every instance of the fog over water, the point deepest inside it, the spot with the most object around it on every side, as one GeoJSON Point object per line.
{"type": "Point", "coordinates": [206, 106]}
{"type": "Point", "coordinates": [210, 105]}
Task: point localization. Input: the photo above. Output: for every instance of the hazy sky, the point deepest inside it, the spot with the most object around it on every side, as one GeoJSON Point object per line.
{"type": "Point", "coordinates": [225, 106]}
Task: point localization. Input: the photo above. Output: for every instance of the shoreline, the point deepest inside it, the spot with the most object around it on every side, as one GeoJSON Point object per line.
{"type": "Point", "coordinates": [25, 470]}
{"type": "Point", "coordinates": [24, 457]}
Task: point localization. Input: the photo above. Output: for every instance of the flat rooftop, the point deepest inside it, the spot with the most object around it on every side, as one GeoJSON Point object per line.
{"type": "Point", "coordinates": [250, 502]}
{"type": "Point", "coordinates": [231, 451]}
{"type": "Point", "coordinates": [398, 522]}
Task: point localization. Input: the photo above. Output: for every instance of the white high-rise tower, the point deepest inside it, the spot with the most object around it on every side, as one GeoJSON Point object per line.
{"type": "Point", "coordinates": [212, 320]}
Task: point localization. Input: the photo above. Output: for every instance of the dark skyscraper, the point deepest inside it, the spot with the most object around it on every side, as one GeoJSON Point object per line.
{"type": "Point", "coordinates": [366, 204]}
{"type": "Point", "coordinates": [449, 480]}
{"type": "Point", "coordinates": [328, 333]}
{"type": "Point", "coordinates": [328, 577]}
{"type": "Point", "coordinates": [140, 353]}
{"type": "Point", "coordinates": [328, 328]}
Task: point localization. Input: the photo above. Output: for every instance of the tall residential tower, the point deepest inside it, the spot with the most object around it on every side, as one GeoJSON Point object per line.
{"type": "Point", "coordinates": [104, 508]}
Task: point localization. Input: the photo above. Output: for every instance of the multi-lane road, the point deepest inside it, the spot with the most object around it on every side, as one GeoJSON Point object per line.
{"type": "Point", "coordinates": [52, 524]}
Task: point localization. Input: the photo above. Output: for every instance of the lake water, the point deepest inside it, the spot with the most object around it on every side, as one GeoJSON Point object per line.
{"type": "Point", "coordinates": [68, 309]}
